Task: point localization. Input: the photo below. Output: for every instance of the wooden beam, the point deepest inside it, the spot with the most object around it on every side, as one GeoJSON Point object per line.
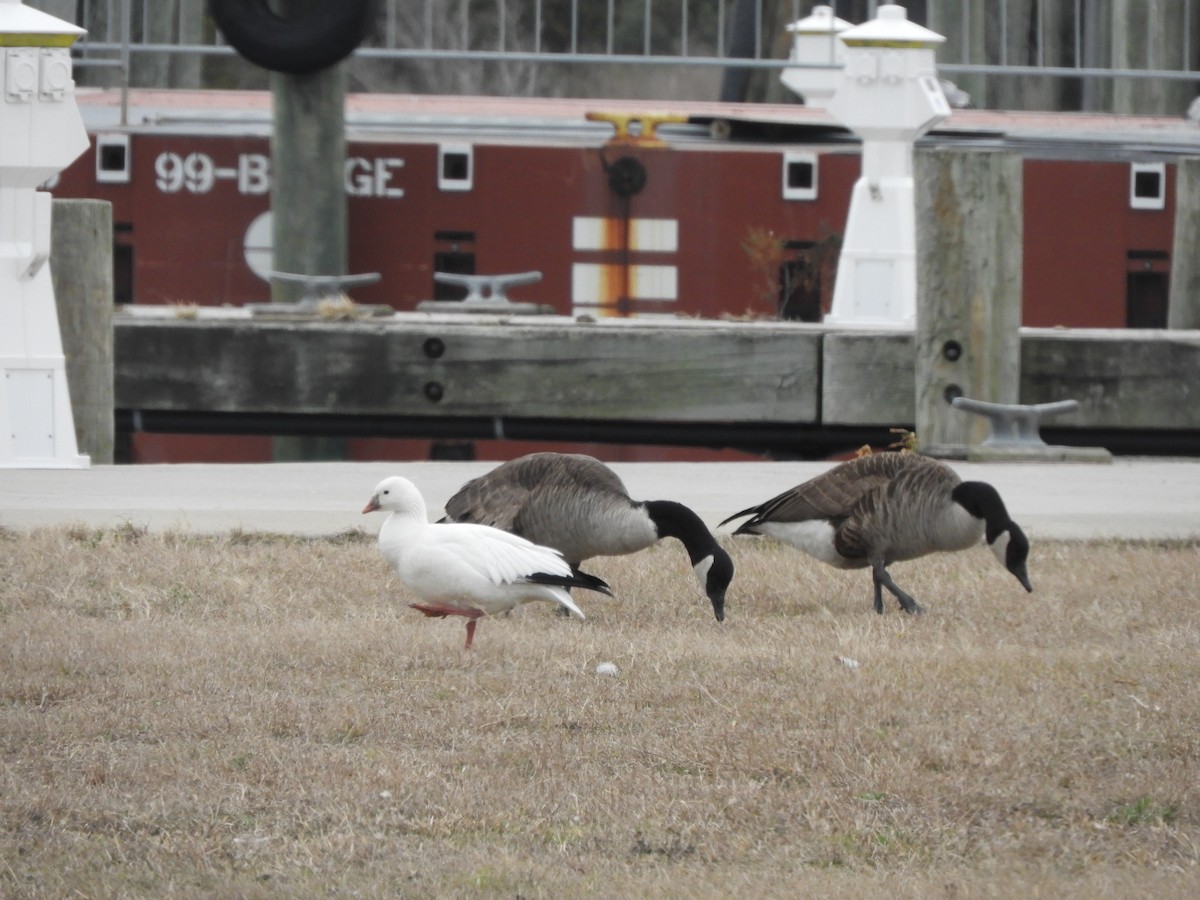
{"type": "Point", "coordinates": [1136, 378]}
{"type": "Point", "coordinates": [867, 378]}
{"type": "Point", "coordinates": [708, 372]}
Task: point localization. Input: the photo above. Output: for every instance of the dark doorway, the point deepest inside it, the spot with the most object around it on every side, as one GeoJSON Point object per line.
{"type": "Point", "coordinates": [1146, 299]}
{"type": "Point", "coordinates": [122, 263]}
{"type": "Point", "coordinates": [1147, 287]}
{"type": "Point", "coordinates": [800, 284]}
{"type": "Point", "coordinates": [456, 256]}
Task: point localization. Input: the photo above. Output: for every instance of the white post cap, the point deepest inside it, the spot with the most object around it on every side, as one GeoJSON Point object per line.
{"type": "Point", "coordinates": [21, 26]}
{"type": "Point", "coordinates": [891, 28]}
{"type": "Point", "coordinates": [821, 21]}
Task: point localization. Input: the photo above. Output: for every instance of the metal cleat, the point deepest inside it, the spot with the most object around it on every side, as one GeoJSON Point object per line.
{"type": "Point", "coordinates": [486, 294]}
{"type": "Point", "coordinates": [1015, 432]}
{"type": "Point", "coordinates": [491, 289]}
{"type": "Point", "coordinates": [1014, 424]}
{"type": "Point", "coordinates": [317, 287]}
{"type": "Point", "coordinates": [324, 296]}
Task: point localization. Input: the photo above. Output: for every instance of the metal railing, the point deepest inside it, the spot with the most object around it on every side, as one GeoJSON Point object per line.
{"type": "Point", "coordinates": [1104, 39]}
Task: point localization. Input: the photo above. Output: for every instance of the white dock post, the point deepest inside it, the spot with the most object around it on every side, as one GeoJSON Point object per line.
{"type": "Point", "coordinates": [41, 132]}
{"type": "Point", "coordinates": [889, 95]}
{"type": "Point", "coordinates": [819, 56]}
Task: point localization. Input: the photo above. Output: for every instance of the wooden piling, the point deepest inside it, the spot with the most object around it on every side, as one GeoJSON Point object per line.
{"type": "Point", "coordinates": [1183, 307]}
{"type": "Point", "coordinates": [308, 197]}
{"type": "Point", "coordinates": [1148, 36]}
{"type": "Point", "coordinates": [81, 271]}
{"type": "Point", "coordinates": [969, 239]}
{"type": "Point", "coordinates": [964, 29]}
{"type": "Point", "coordinates": [308, 194]}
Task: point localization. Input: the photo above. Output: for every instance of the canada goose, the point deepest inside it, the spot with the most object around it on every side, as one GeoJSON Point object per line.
{"type": "Point", "coordinates": [579, 506]}
{"type": "Point", "coordinates": [887, 507]}
{"type": "Point", "coordinates": [468, 570]}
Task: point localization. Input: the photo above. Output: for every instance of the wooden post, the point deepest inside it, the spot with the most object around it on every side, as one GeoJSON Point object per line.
{"type": "Point", "coordinates": [964, 28]}
{"type": "Point", "coordinates": [187, 69]}
{"type": "Point", "coordinates": [308, 195]}
{"type": "Point", "coordinates": [1097, 39]}
{"type": "Point", "coordinates": [1149, 36]}
{"type": "Point", "coordinates": [173, 21]}
{"type": "Point", "coordinates": [1031, 23]}
{"type": "Point", "coordinates": [81, 271]}
{"type": "Point", "coordinates": [968, 342]}
{"type": "Point", "coordinates": [1183, 308]}
{"type": "Point", "coordinates": [974, 32]}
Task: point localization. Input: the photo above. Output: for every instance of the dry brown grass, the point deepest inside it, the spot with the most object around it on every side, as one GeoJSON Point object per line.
{"type": "Point", "coordinates": [262, 716]}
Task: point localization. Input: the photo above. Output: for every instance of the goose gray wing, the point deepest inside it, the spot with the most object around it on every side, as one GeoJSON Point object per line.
{"type": "Point", "coordinates": [519, 494]}
{"type": "Point", "coordinates": [894, 517]}
{"type": "Point", "coordinates": [580, 506]}
{"type": "Point", "coordinates": [495, 498]}
{"type": "Point", "coordinates": [832, 495]}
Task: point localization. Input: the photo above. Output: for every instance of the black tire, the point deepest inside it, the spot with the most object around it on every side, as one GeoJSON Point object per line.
{"type": "Point", "coordinates": [321, 38]}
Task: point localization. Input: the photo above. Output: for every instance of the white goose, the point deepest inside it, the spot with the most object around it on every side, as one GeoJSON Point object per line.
{"type": "Point", "coordinates": [579, 506]}
{"type": "Point", "coordinates": [468, 570]}
{"type": "Point", "coordinates": [885, 508]}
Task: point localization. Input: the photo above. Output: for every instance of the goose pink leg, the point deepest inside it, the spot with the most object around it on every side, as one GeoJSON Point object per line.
{"type": "Point", "coordinates": [440, 612]}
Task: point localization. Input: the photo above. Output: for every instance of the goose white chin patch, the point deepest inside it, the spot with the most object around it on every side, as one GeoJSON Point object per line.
{"type": "Point", "coordinates": [1000, 547]}
{"type": "Point", "coordinates": [701, 569]}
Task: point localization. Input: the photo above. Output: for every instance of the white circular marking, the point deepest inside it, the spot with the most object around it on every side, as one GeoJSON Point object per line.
{"type": "Point", "coordinates": [259, 247]}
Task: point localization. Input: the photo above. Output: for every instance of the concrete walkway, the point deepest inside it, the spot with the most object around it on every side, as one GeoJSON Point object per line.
{"type": "Point", "coordinates": [1135, 498]}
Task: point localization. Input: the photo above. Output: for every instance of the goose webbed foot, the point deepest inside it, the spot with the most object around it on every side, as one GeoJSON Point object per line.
{"type": "Point", "coordinates": [883, 580]}
{"type": "Point", "coordinates": [912, 607]}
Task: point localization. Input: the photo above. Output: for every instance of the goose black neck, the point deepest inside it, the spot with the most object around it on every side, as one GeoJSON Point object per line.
{"type": "Point", "coordinates": [983, 501]}
{"type": "Point", "coordinates": [675, 520]}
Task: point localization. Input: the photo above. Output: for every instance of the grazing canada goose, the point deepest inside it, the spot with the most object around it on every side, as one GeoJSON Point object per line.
{"type": "Point", "coordinates": [468, 570]}
{"type": "Point", "coordinates": [885, 508]}
{"type": "Point", "coordinates": [580, 507]}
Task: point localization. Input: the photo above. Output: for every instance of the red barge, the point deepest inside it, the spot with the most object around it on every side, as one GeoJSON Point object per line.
{"type": "Point", "coordinates": [735, 213]}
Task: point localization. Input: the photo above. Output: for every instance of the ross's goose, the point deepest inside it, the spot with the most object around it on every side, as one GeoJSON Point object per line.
{"type": "Point", "coordinates": [468, 570]}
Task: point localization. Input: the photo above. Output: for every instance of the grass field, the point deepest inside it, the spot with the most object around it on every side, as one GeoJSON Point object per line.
{"type": "Point", "coordinates": [259, 716]}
